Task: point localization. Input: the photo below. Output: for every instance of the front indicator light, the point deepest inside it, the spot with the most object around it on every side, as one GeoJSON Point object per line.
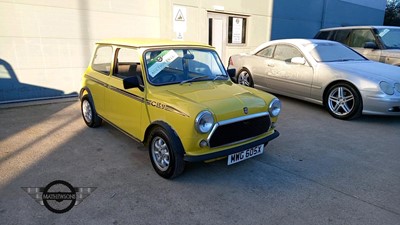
{"type": "Point", "coordinates": [397, 87]}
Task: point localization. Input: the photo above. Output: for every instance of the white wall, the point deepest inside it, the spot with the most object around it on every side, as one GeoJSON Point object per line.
{"type": "Point", "coordinates": [47, 44]}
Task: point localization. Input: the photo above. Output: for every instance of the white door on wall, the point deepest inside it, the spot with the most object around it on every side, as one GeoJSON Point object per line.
{"type": "Point", "coordinates": [217, 29]}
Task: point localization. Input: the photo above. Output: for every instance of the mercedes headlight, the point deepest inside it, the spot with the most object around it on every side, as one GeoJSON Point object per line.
{"type": "Point", "coordinates": [204, 122]}
{"type": "Point", "coordinates": [275, 107]}
{"type": "Point", "coordinates": [386, 88]}
{"type": "Point", "coordinates": [397, 87]}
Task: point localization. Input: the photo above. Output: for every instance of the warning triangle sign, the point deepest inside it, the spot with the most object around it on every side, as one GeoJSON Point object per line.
{"type": "Point", "coordinates": [179, 16]}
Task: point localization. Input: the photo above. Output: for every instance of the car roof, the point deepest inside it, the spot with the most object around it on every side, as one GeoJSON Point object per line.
{"type": "Point", "coordinates": [300, 41]}
{"type": "Point", "coordinates": [149, 42]}
{"type": "Point", "coordinates": [293, 41]}
{"type": "Point", "coordinates": [358, 27]}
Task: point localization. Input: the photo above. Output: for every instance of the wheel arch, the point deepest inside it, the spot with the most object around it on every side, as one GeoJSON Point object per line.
{"type": "Point", "coordinates": [167, 128]}
{"type": "Point", "coordinates": [83, 92]}
{"type": "Point", "coordinates": [325, 93]}
{"type": "Point", "coordinates": [245, 68]}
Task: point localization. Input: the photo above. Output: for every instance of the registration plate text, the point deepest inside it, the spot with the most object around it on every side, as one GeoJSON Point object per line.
{"type": "Point", "coordinates": [243, 155]}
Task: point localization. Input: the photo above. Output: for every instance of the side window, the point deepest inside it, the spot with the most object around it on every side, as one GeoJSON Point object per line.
{"type": "Point", "coordinates": [266, 52]}
{"type": "Point", "coordinates": [102, 59]}
{"type": "Point", "coordinates": [323, 35]}
{"type": "Point", "coordinates": [286, 53]}
{"type": "Point", "coordinates": [359, 37]}
{"type": "Point", "coordinates": [341, 36]}
{"type": "Point", "coordinates": [127, 63]}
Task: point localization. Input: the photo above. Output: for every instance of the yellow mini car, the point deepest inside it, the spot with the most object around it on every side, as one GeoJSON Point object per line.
{"type": "Point", "coordinates": [178, 99]}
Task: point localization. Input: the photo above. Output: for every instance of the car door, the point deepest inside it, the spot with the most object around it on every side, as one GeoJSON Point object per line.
{"type": "Point", "coordinates": [97, 78]}
{"type": "Point", "coordinates": [124, 106]}
{"type": "Point", "coordinates": [260, 68]}
{"type": "Point", "coordinates": [289, 77]}
{"type": "Point", "coordinates": [357, 40]}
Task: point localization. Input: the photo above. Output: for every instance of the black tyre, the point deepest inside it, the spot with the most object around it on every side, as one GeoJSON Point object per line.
{"type": "Point", "coordinates": [343, 101]}
{"type": "Point", "coordinates": [166, 153]}
{"type": "Point", "coordinates": [244, 78]}
{"type": "Point", "coordinates": [89, 113]}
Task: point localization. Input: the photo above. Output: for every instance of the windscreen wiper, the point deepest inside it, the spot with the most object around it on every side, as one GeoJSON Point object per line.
{"type": "Point", "coordinates": [220, 75]}
{"type": "Point", "coordinates": [193, 79]}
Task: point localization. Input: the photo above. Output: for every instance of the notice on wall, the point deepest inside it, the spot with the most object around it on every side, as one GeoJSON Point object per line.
{"type": "Point", "coordinates": [179, 18]}
{"type": "Point", "coordinates": [237, 30]}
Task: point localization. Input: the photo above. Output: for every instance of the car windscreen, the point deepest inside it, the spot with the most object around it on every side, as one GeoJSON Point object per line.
{"type": "Point", "coordinates": [332, 52]}
{"type": "Point", "coordinates": [390, 37]}
{"type": "Point", "coordinates": [171, 66]}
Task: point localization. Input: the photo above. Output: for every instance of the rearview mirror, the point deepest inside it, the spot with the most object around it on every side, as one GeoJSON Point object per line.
{"type": "Point", "coordinates": [188, 56]}
{"type": "Point", "coordinates": [298, 60]}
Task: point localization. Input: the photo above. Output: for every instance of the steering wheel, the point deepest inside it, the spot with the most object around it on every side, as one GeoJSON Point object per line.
{"type": "Point", "coordinates": [164, 78]}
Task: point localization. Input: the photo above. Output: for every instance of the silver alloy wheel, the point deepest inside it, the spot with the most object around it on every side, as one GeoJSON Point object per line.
{"type": "Point", "coordinates": [87, 111]}
{"type": "Point", "coordinates": [244, 78]}
{"type": "Point", "coordinates": [341, 101]}
{"type": "Point", "coordinates": [160, 153]}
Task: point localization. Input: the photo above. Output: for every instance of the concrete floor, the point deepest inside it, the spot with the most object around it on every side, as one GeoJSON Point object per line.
{"type": "Point", "coordinates": [319, 171]}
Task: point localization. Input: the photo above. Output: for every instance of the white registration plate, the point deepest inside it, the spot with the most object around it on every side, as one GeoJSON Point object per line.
{"type": "Point", "coordinates": [243, 155]}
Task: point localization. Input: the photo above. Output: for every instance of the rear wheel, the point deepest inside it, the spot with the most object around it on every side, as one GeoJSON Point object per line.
{"type": "Point", "coordinates": [343, 101]}
{"type": "Point", "coordinates": [244, 78]}
{"type": "Point", "coordinates": [89, 113]}
{"type": "Point", "coordinates": [165, 153]}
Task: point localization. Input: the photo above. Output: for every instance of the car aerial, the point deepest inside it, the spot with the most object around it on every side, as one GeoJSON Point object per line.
{"type": "Point", "coordinates": [323, 72]}
{"type": "Point", "coordinates": [176, 98]}
{"type": "Point", "coordinates": [378, 43]}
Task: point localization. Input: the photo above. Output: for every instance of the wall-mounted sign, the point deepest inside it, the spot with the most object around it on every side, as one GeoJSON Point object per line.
{"type": "Point", "coordinates": [237, 29]}
{"type": "Point", "coordinates": [179, 18]}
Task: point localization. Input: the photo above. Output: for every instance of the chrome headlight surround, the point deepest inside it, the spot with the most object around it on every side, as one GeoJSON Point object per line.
{"type": "Point", "coordinates": [386, 88]}
{"type": "Point", "coordinates": [274, 107]}
{"type": "Point", "coordinates": [204, 122]}
{"type": "Point", "coordinates": [397, 87]}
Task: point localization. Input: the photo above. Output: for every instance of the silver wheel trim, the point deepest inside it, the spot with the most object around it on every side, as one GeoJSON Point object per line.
{"type": "Point", "coordinates": [160, 153]}
{"type": "Point", "coordinates": [244, 78]}
{"type": "Point", "coordinates": [87, 111]}
{"type": "Point", "coordinates": [341, 101]}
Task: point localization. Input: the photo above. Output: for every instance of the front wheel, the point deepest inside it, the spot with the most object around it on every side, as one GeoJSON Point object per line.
{"type": "Point", "coordinates": [165, 153]}
{"type": "Point", "coordinates": [343, 101]}
{"type": "Point", "coordinates": [244, 78]}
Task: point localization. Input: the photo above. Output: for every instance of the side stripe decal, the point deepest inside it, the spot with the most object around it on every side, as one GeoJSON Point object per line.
{"type": "Point", "coordinates": [138, 98]}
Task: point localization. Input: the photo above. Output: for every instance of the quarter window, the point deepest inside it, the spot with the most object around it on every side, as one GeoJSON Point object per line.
{"type": "Point", "coordinates": [102, 60]}
{"type": "Point", "coordinates": [266, 52]}
{"type": "Point", "coordinates": [286, 53]}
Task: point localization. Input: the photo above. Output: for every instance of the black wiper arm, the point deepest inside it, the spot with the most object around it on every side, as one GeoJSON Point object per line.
{"type": "Point", "coordinates": [193, 79]}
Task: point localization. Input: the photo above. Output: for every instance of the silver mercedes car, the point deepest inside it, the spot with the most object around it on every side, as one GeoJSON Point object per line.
{"type": "Point", "coordinates": [323, 72]}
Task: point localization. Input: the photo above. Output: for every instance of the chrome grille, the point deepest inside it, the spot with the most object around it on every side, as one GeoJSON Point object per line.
{"type": "Point", "coordinates": [239, 129]}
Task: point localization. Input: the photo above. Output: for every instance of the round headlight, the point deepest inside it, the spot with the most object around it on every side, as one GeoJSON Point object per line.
{"type": "Point", "coordinates": [275, 107]}
{"type": "Point", "coordinates": [204, 122]}
{"type": "Point", "coordinates": [386, 88]}
{"type": "Point", "coordinates": [397, 87]}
